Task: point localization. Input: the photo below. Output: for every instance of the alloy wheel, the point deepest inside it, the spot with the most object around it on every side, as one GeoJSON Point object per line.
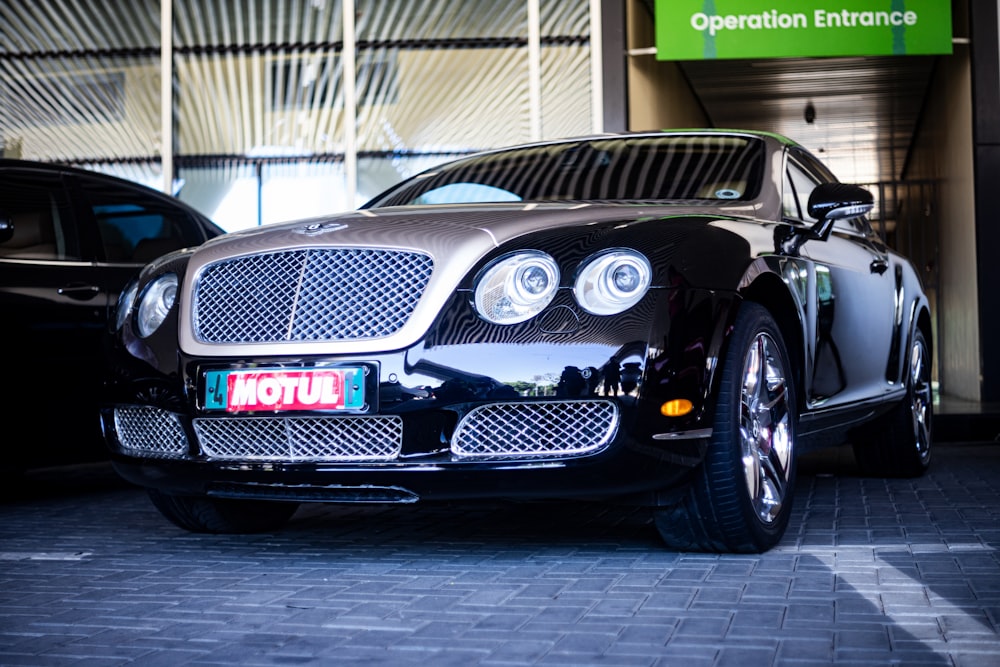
{"type": "Point", "coordinates": [765, 428]}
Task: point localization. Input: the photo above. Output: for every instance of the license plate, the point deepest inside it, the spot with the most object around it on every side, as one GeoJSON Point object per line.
{"type": "Point", "coordinates": [283, 389]}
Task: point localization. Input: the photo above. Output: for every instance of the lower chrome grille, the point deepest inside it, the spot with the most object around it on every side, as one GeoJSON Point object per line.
{"type": "Point", "coordinates": [146, 431]}
{"type": "Point", "coordinates": [497, 430]}
{"type": "Point", "coordinates": [313, 439]}
{"type": "Point", "coordinates": [542, 428]}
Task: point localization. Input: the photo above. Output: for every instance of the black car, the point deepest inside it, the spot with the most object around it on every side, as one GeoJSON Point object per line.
{"type": "Point", "coordinates": [70, 239]}
{"type": "Point", "coordinates": [665, 318]}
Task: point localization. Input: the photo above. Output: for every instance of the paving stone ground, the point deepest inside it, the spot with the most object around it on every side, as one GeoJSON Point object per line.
{"type": "Point", "coordinates": [871, 572]}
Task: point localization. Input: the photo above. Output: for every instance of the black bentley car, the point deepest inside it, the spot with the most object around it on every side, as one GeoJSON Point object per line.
{"type": "Point", "coordinates": [662, 318]}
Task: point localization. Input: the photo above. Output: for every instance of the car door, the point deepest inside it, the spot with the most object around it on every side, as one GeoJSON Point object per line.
{"type": "Point", "coordinates": [852, 319]}
{"type": "Point", "coordinates": [54, 313]}
{"type": "Point", "coordinates": [131, 225]}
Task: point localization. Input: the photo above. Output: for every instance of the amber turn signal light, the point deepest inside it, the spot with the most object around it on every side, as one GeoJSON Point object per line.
{"type": "Point", "coordinates": [676, 408]}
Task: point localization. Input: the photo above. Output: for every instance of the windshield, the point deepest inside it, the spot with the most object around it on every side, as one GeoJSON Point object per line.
{"type": "Point", "coordinates": [671, 167]}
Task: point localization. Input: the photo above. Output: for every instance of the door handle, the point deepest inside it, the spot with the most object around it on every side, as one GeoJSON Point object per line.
{"type": "Point", "coordinates": [80, 292]}
{"type": "Point", "coordinates": [879, 265]}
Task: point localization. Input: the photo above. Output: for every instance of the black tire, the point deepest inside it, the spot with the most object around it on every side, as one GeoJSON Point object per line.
{"type": "Point", "coordinates": [898, 444]}
{"type": "Point", "coordinates": [218, 515]}
{"type": "Point", "coordinates": [740, 498]}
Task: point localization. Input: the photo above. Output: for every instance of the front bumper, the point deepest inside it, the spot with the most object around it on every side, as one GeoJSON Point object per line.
{"type": "Point", "coordinates": [554, 448]}
{"type": "Point", "coordinates": [461, 413]}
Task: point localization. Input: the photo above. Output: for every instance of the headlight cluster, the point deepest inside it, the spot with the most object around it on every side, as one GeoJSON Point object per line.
{"type": "Point", "coordinates": [125, 302]}
{"type": "Point", "coordinates": [517, 287]}
{"type": "Point", "coordinates": [612, 282]}
{"type": "Point", "coordinates": [153, 306]}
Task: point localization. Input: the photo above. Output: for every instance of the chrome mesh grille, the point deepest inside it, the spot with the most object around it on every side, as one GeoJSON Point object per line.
{"type": "Point", "coordinates": [146, 431]}
{"type": "Point", "coordinates": [550, 427]}
{"type": "Point", "coordinates": [301, 438]}
{"type": "Point", "coordinates": [309, 295]}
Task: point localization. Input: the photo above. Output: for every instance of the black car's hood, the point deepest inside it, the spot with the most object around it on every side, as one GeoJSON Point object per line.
{"type": "Point", "coordinates": [458, 237]}
{"type": "Point", "coordinates": [466, 228]}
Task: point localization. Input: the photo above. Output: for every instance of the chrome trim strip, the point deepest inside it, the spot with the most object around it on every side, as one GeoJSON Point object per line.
{"type": "Point", "coordinates": [684, 435]}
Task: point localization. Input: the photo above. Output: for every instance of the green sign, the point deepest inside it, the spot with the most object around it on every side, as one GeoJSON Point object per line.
{"type": "Point", "coordinates": [717, 29]}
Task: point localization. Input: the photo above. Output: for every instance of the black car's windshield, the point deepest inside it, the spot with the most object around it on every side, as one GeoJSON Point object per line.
{"type": "Point", "coordinates": [676, 167]}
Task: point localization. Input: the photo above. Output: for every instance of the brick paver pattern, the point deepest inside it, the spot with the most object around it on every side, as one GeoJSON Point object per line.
{"type": "Point", "coordinates": [871, 572]}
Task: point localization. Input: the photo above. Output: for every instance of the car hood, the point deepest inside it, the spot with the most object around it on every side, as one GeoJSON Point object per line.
{"type": "Point", "coordinates": [456, 238]}
{"type": "Point", "coordinates": [444, 231]}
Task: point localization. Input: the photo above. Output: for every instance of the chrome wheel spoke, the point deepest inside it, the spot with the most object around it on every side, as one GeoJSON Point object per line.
{"type": "Point", "coordinates": [921, 397]}
{"type": "Point", "coordinates": [764, 423]}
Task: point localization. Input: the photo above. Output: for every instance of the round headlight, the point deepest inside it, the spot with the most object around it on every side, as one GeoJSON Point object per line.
{"type": "Point", "coordinates": [155, 304]}
{"type": "Point", "coordinates": [612, 282]}
{"type": "Point", "coordinates": [125, 302]}
{"type": "Point", "coordinates": [516, 287]}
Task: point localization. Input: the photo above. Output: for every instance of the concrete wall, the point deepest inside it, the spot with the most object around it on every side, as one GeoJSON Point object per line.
{"type": "Point", "coordinates": [658, 95]}
{"type": "Point", "coordinates": [944, 154]}
{"type": "Point", "coordinates": [984, 43]}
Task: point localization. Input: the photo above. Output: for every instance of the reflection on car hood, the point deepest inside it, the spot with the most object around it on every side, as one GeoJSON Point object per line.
{"type": "Point", "coordinates": [452, 228]}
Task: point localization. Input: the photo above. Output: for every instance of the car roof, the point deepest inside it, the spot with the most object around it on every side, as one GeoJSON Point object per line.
{"type": "Point", "coordinates": [674, 132]}
{"type": "Point", "coordinates": [18, 163]}
{"type": "Point", "coordinates": [56, 167]}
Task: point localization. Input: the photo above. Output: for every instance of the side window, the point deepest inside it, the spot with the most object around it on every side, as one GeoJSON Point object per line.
{"type": "Point", "coordinates": [136, 227]}
{"type": "Point", "coordinates": [37, 208]}
{"type": "Point", "coordinates": [795, 194]}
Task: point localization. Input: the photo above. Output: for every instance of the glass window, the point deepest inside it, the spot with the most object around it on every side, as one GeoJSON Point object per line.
{"type": "Point", "coordinates": [37, 210]}
{"type": "Point", "coordinates": [378, 174]}
{"type": "Point", "coordinates": [566, 93]}
{"type": "Point", "coordinates": [249, 22]}
{"type": "Point", "coordinates": [456, 193]}
{"type": "Point", "coordinates": [427, 20]}
{"type": "Point", "coordinates": [256, 81]}
{"type": "Point", "coordinates": [229, 192]}
{"type": "Point", "coordinates": [455, 98]}
{"type": "Point", "coordinates": [247, 194]}
{"type": "Point", "coordinates": [565, 68]}
{"type": "Point", "coordinates": [686, 168]}
{"type": "Point", "coordinates": [795, 194]}
{"type": "Point", "coordinates": [97, 107]}
{"type": "Point", "coordinates": [135, 226]}
{"type": "Point", "coordinates": [293, 191]}
{"type": "Point", "coordinates": [442, 76]}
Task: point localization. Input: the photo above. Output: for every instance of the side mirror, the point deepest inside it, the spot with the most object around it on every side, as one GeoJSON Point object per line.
{"type": "Point", "coordinates": [828, 203]}
{"type": "Point", "coordinates": [836, 201]}
{"type": "Point", "coordinates": [6, 227]}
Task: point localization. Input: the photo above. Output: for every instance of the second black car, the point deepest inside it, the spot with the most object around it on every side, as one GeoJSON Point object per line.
{"type": "Point", "coordinates": [70, 239]}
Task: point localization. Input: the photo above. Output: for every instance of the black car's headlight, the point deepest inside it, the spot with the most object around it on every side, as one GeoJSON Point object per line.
{"type": "Point", "coordinates": [155, 304]}
{"type": "Point", "coordinates": [125, 302]}
{"type": "Point", "coordinates": [612, 281]}
{"type": "Point", "coordinates": [516, 287]}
